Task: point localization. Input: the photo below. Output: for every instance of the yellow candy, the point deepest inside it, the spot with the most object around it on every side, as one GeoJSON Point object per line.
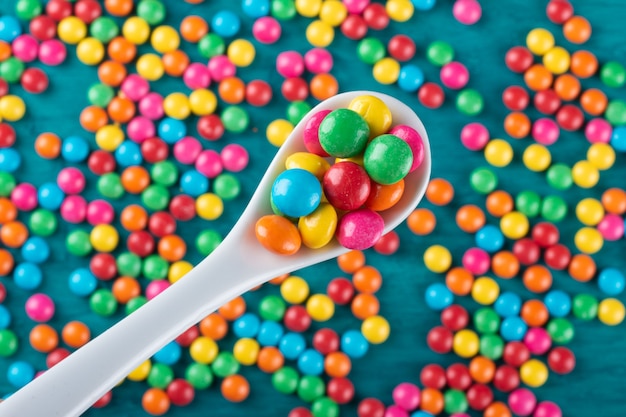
{"type": "Point", "coordinates": [308, 8]}
{"type": "Point", "coordinates": [320, 33]}
{"type": "Point", "coordinates": [278, 131]}
{"type": "Point", "coordinates": [588, 240]}
{"type": "Point", "coordinates": [375, 112]}
{"type": "Point", "coordinates": [533, 373]}
{"type": "Point", "coordinates": [320, 307]}
{"type": "Point", "coordinates": [203, 350]}
{"type": "Point", "coordinates": [589, 211]}
{"type": "Point", "coordinates": [109, 137]}
{"type": "Point", "coordinates": [241, 52]}
{"type": "Point", "coordinates": [315, 164]}
{"type": "Point", "coordinates": [136, 30]}
{"type": "Point", "coordinates": [209, 206]}
{"type": "Point", "coordinates": [90, 51]}
{"type": "Point", "coordinates": [71, 30]}
{"type": "Point", "coordinates": [498, 152]}
{"type": "Point", "coordinates": [375, 329]}
{"type": "Point", "coordinates": [294, 290]}
{"type": "Point", "coordinates": [585, 174]}
{"type": "Point", "coordinates": [165, 39]}
{"type": "Point", "coordinates": [611, 311]}
{"type": "Point", "coordinates": [514, 225]}
{"type": "Point", "coordinates": [202, 102]}
{"type": "Point", "coordinates": [358, 159]}
{"type": "Point", "coordinates": [318, 228]}
{"type": "Point", "coordinates": [557, 60]}
{"type": "Point", "coordinates": [437, 259]}
{"type": "Point", "coordinates": [539, 41]}
{"type": "Point", "coordinates": [176, 105]}
{"type": "Point", "coordinates": [141, 372]}
{"type": "Point", "coordinates": [537, 157]}
{"type": "Point", "coordinates": [246, 351]}
{"type": "Point", "coordinates": [485, 291]}
{"type": "Point", "coordinates": [150, 67]}
{"type": "Point", "coordinates": [601, 155]}
{"type": "Point", "coordinates": [466, 343]}
{"type": "Point", "coordinates": [333, 12]}
{"type": "Point", "coordinates": [104, 238]}
{"type": "Point", "coordinates": [178, 270]}
{"type": "Point", "coordinates": [12, 108]}
{"type": "Point", "coordinates": [399, 10]}
{"type": "Point", "coordinates": [386, 71]}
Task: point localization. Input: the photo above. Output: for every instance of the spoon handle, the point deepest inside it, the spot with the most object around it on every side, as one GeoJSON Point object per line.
{"type": "Point", "coordinates": [74, 384]}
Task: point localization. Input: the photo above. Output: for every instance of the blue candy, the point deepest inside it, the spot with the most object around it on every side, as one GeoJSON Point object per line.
{"type": "Point", "coordinates": [172, 130]}
{"type": "Point", "coordinates": [20, 373]}
{"type": "Point", "coordinates": [618, 139]}
{"type": "Point", "coordinates": [255, 8]}
{"type": "Point", "coordinates": [558, 303]}
{"type": "Point", "coordinates": [270, 333]}
{"type": "Point", "coordinates": [247, 325]}
{"type": "Point", "coordinates": [354, 344]}
{"type": "Point", "coordinates": [411, 78]}
{"type": "Point", "coordinates": [5, 317]}
{"type": "Point", "coordinates": [74, 149]}
{"type": "Point", "coordinates": [50, 196]}
{"type": "Point", "coordinates": [611, 281]}
{"type": "Point", "coordinates": [128, 154]}
{"type": "Point", "coordinates": [194, 183]}
{"type": "Point", "coordinates": [513, 329]}
{"type": "Point", "coordinates": [424, 5]}
{"type": "Point", "coordinates": [311, 362]}
{"type": "Point", "coordinates": [35, 250]}
{"type": "Point", "coordinates": [438, 296]}
{"type": "Point", "coordinates": [27, 276]}
{"type": "Point", "coordinates": [508, 304]}
{"type": "Point", "coordinates": [169, 354]}
{"type": "Point", "coordinates": [225, 23]}
{"type": "Point", "coordinates": [82, 282]}
{"type": "Point", "coordinates": [10, 160]}
{"type": "Point", "coordinates": [291, 345]}
{"type": "Point", "coordinates": [296, 192]}
{"type": "Point", "coordinates": [10, 28]}
{"type": "Point", "coordinates": [489, 238]}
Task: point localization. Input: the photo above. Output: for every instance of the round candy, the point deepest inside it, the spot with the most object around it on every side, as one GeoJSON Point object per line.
{"type": "Point", "coordinates": [296, 192]}
{"type": "Point", "coordinates": [379, 154]}
{"type": "Point", "coordinates": [343, 133]}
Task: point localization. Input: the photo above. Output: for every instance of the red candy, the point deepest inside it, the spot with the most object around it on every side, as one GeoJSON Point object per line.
{"type": "Point", "coordinates": [7, 135]}
{"type": "Point", "coordinates": [375, 16]}
{"type": "Point", "coordinates": [258, 93]}
{"type": "Point", "coordinates": [104, 400]}
{"type": "Point", "coordinates": [101, 162]}
{"type": "Point", "coordinates": [103, 266]}
{"type": "Point", "coordinates": [354, 27]}
{"type": "Point", "coordinates": [439, 339]}
{"type": "Point", "coordinates": [570, 117]}
{"type": "Point", "coordinates": [388, 244]}
{"type": "Point", "coordinates": [515, 98]}
{"type": "Point", "coordinates": [479, 396]}
{"type": "Point", "coordinates": [455, 317]}
{"type": "Point", "coordinates": [300, 412]}
{"type": "Point", "coordinates": [340, 290]}
{"type": "Point", "coordinates": [43, 28]}
{"type": "Point", "coordinates": [547, 101]}
{"type": "Point", "coordinates": [545, 234]}
{"type": "Point", "coordinates": [34, 80]}
{"type": "Point", "coordinates": [557, 257]}
{"type": "Point", "coordinates": [518, 59]}
{"type": "Point", "coordinates": [326, 341]}
{"type": "Point", "coordinates": [346, 186]}
{"type": "Point", "coordinates": [56, 356]}
{"type": "Point", "coordinates": [340, 390]}
{"type": "Point", "coordinates": [59, 9]}
{"type": "Point", "coordinates": [154, 150]}
{"type": "Point", "coordinates": [458, 376]}
{"type": "Point", "coordinates": [526, 251]}
{"type": "Point", "coordinates": [401, 47]}
{"type": "Point", "coordinates": [561, 360]}
{"type": "Point", "coordinates": [559, 11]}
{"type": "Point", "coordinates": [162, 224]}
{"type": "Point", "coordinates": [506, 378]}
{"type": "Point", "coordinates": [141, 243]}
{"type": "Point", "coordinates": [188, 336]}
{"type": "Point", "coordinates": [431, 95]}
{"type": "Point", "coordinates": [515, 354]}
{"type": "Point", "coordinates": [295, 89]}
{"type": "Point", "coordinates": [87, 10]}
{"type": "Point", "coordinates": [370, 407]}
{"type": "Point", "coordinates": [433, 376]}
{"type": "Point", "coordinates": [297, 319]}
{"type": "Point", "coordinates": [210, 127]}
{"type": "Point", "coordinates": [183, 207]}
{"type": "Point", "coordinates": [180, 392]}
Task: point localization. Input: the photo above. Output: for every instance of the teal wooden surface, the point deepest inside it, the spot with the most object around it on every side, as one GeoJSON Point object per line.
{"type": "Point", "coordinates": [597, 385]}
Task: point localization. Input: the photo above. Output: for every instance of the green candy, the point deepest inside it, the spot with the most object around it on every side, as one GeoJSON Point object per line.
{"type": "Point", "coordinates": [561, 330]}
{"type": "Point", "coordinates": [160, 375]}
{"type": "Point", "coordinates": [370, 50]}
{"type": "Point", "coordinates": [77, 243]}
{"type": "Point", "coordinates": [454, 401]}
{"type": "Point", "coordinates": [297, 110]}
{"type": "Point", "coordinates": [585, 307]}
{"type": "Point", "coordinates": [529, 203]}
{"type": "Point", "coordinates": [272, 307]}
{"type": "Point", "coordinates": [225, 364]}
{"type": "Point", "coordinates": [387, 159]}
{"type": "Point", "coordinates": [343, 133]}
{"type": "Point", "coordinates": [559, 176]}
{"type": "Point", "coordinates": [310, 388]}
{"type": "Point", "coordinates": [613, 74]}
{"type": "Point", "coordinates": [491, 346]}
{"type": "Point", "coordinates": [207, 241]}
{"type": "Point", "coordinates": [616, 112]}
{"type": "Point", "coordinates": [11, 70]}
{"type": "Point", "coordinates": [325, 407]}
{"type": "Point", "coordinates": [199, 376]}
{"type": "Point", "coordinates": [7, 183]}
{"type": "Point", "coordinates": [211, 45]}
{"type": "Point", "coordinates": [469, 102]}
{"type": "Point", "coordinates": [152, 11]}
{"type": "Point", "coordinates": [164, 173]}
{"type": "Point", "coordinates": [486, 320]}
{"type": "Point", "coordinates": [110, 185]}
{"type": "Point", "coordinates": [155, 267]}
{"type": "Point", "coordinates": [8, 343]}
{"type": "Point", "coordinates": [128, 264]}
{"type": "Point", "coordinates": [235, 119]}
{"type": "Point", "coordinates": [285, 380]}
{"type": "Point", "coordinates": [104, 29]}
{"type": "Point", "coordinates": [283, 9]}
{"type": "Point", "coordinates": [100, 95]}
{"type": "Point", "coordinates": [134, 304]}
{"type": "Point", "coordinates": [440, 53]}
{"type": "Point", "coordinates": [28, 9]}
{"type": "Point", "coordinates": [43, 222]}
{"type": "Point", "coordinates": [226, 186]}
{"type": "Point", "coordinates": [103, 302]}
{"type": "Point", "coordinates": [483, 180]}
{"type": "Point", "coordinates": [553, 208]}
{"type": "Point", "coordinates": [155, 197]}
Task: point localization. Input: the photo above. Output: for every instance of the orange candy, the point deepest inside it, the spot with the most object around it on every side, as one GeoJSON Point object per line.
{"type": "Point", "coordinates": [614, 201]}
{"type": "Point", "coordinates": [421, 222]}
{"type": "Point", "coordinates": [278, 235]}
{"type": "Point", "coordinates": [134, 218]}
{"type": "Point", "coordinates": [232, 90]}
{"type": "Point", "coordinates": [577, 30]}
{"type": "Point", "coordinates": [582, 267]}
{"type": "Point", "coordinates": [43, 338]}
{"type": "Point", "coordinates": [279, 279]}
{"type": "Point", "coordinates": [583, 64]}
{"type": "Point", "coordinates": [155, 401]}
{"type": "Point", "coordinates": [172, 248]}
{"type": "Point", "coordinates": [538, 77]}
{"type": "Point", "coordinates": [470, 218]}
{"type": "Point", "coordinates": [93, 118]}
{"type": "Point", "coordinates": [235, 388]}
{"type": "Point", "coordinates": [367, 280]}
{"type": "Point", "coordinates": [125, 289]}
{"type": "Point", "coordinates": [5, 51]}
{"type": "Point", "coordinates": [121, 109]}
{"type": "Point", "coordinates": [364, 306]}
{"type": "Point", "coordinates": [233, 309]}
{"type": "Point", "coordinates": [193, 28]}
{"type": "Point", "coordinates": [48, 145]}
{"type": "Point", "coordinates": [439, 192]}
{"type": "Point", "coordinates": [504, 264]}
{"type": "Point", "coordinates": [135, 179]}
{"type": "Point", "coordinates": [323, 86]}
{"type": "Point", "coordinates": [337, 365]}
{"type": "Point", "coordinates": [121, 50]}
{"type": "Point", "coordinates": [214, 326]}
{"type": "Point", "coordinates": [75, 334]}
{"type": "Point", "coordinates": [13, 234]}
{"type": "Point", "coordinates": [8, 211]}
{"type": "Point", "coordinates": [517, 125]}
{"type": "Point", "coordinates": [534, 313]}
{"type": "Point", "coordinates": [350, 261]}
{"type": "Point", "coordinates": [499, 203]}
{"type": "Point", "coordinates": [459, 281]}
{"type": "Point", "coordinates": [270, 359]}
{"type": "Point", "coordinates": [537, 278]}
{"type": "Point", "coordinates": [6, 262]}
{"type": "Point", "coordinates": [383, 197]}
{"type": "Point", "coordinates": [497, 409]}
{"type": "Point", "coordinates": [431, 401]}
{"type": "Point", "coordinates": [593, 101]}
{"type": "Point", "coordinates": [567, 87]}
{"type": "Point", "coordinates": [111, 73]}
{"type": "Point", "coordinates": [118, 7]}
{"type": "Point", "coordinates": [482, 369]}
{"type": "Point", "coordinates": [175, 63]}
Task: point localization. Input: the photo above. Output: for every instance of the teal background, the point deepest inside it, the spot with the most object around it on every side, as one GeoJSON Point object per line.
{"type": "Point", "coordinates": [597, 385]}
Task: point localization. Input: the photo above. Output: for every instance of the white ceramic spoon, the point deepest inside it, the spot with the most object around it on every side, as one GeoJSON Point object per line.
{"type": "Point", "coordinates": [238, 264]}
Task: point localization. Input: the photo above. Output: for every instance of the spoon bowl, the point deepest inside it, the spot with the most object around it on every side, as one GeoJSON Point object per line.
{"type": "Point", "coordinates": [238, 264]}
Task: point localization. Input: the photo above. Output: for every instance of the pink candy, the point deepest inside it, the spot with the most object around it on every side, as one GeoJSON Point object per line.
{"type": "Point", "coordinates": [140, 128]}
{"type": "Point", "coordinates": [209, 164]}
{"type": "Point", "coordinates": [318, 60]}
{"type": "Point", "coordinates": [290, 64]}
{"type": "Point", "coordinates": [187, 149]}
{"type": "Point", "coordinates": [156, 287]}
{"type": "Point", "coordinates": [454, 75]}
{"type": "Point", "coordinates": [537, 340]}
{"type": "Point", "coordinates": [71, 180]}
{"type": "Point", "coordinates": [73, 209]}
{"type": "Point", "coordinates": [598, 131]}
{"type": "Point", "coordinates": [39, 307]}
{"type": "Point", "coordinates": [360, 229]}
{"type": "Point", "coordinates": [611, 227]}
{"type": "Point", "coordinates": [474, 136]}
{"type": "Point", "coordinates": [100, 212]}
{"type": "Point", "coordinates": [234, 157]}
{"type": "Point", "coordinates": [24, 196]}
{"type": "Point", "coordinates": [151, 106]}
{"type": "Point", "coordinates": [197, 76]}
{"type": "Point", "coordinates": [522, 402]}
{"type": "Point", "coordinates": [476, 261]}
{"type": "Point", "coordinates": [52, 52]}
{"type": "Point", "coordinates": [406, 396]}
{"type": "Point", "coordinates": [545, 131]}
{"type": "Point", "coordinates": [395, 411]}
{"type": "Point", "coordinates": [266, 30]}
{"type": "Point", "coordinates": [356, 6]}
{"type": "Point", "coordinates": [220, 67]}
{"type": "Point", "coordinates": [415, 142]}
{"type": "Point", "coordinates": [310, 135]}
{"type": "Point", "coordinates": [25, 48]}
{"type": "Point", "coordinates": [135, 87]}
{"type": "Point", "coordinates": [547, 409]}
{"type": "Point", "coordinates": [467, 12]}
